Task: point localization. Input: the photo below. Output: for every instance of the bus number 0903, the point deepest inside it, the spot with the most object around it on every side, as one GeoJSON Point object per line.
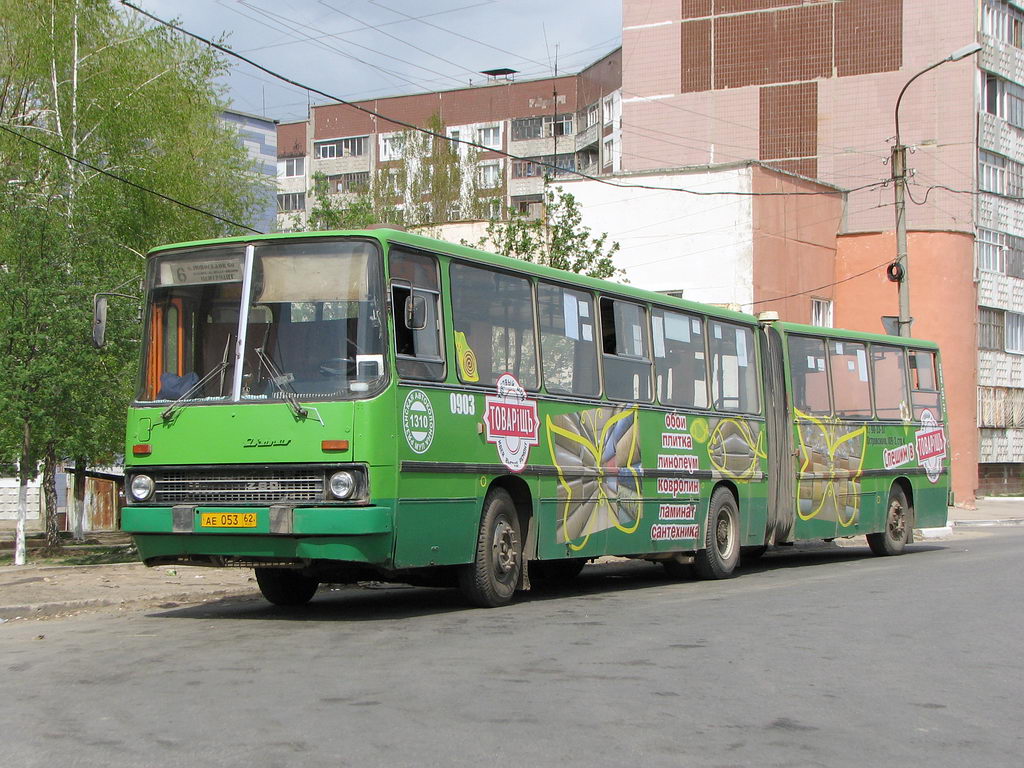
{"type": "Point", "coordinates": [462, 404]}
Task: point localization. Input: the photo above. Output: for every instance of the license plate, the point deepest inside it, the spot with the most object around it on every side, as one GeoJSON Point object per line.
{"type": "Point", "coordinates": [228, 520]}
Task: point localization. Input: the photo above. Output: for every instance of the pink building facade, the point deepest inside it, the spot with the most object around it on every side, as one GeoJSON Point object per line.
{"type": "Point", "coordinates": [810, 86]}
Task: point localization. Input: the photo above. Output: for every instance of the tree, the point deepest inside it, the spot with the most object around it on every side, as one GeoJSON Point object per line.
{"type": "Point", "coordinates": [558, 239]}
{"type": "Point", "coordinates": [138, 102]}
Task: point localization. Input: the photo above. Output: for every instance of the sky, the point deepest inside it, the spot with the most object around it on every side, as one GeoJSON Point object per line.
{"type": "Point", "coordinates": [358, 49]}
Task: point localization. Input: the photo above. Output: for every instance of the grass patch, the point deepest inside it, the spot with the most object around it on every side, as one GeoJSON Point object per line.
{"type": "Point", "coordinates": [123, 553]}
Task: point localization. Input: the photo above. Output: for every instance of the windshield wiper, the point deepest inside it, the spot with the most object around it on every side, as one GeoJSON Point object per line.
{"type": "Point", "coordinates": [178, 401]}
{"type": "Point", "coordinates": [279, 379]}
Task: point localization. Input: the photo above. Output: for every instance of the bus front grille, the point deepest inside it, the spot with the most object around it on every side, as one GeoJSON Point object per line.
{"type": "Point", "coordinates": [239, 486]}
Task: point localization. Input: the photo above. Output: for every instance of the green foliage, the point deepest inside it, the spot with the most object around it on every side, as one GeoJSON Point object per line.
{"type": "Point", "coordinates": [138, 102]}
{"type": "Point", "coordinates": [557, 240]}
{"type": "Point", "coordinates": [433, 181]}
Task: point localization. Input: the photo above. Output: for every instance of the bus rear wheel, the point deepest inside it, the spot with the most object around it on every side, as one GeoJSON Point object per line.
{"type": "Point", "coordinates": [893, 539]}
{"type": "Point", "coordinates": [284, 587]}
{"type": "Point", "coordinates": [721, 553]}
{"type": "Point", "coordinates": [491, 579]}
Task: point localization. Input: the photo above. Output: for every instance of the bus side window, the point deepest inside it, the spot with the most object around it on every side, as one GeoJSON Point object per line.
{"type": "Point", "coordinates": [734, 381]}
{"type": "Point", "coordinates": [809, 376]}
{"type": "Point", "coordinates": [924, 383]}
{"type": "Point", "coordinates": [492, 314]}
{"type": "Point", "coordinates": [627, 364]}
{"type": "Point", "coordinates": [567, 343]}
{"type": "Point", "coordinates": [848, 362]}
{"type": "Point", "coordinates": [680, 367]}
{"type": "Point", "coordinates": [889, 379]}
{"type": "Point", "coordinates": [416, 311]}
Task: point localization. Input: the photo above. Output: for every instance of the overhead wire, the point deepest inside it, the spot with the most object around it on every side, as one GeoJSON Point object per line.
{"type": "Point", "coordinates": [123, 180]}
{"type": "Point", "coordinates": [443, 137]}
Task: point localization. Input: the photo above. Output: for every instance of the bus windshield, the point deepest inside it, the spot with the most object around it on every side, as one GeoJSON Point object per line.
{"type": "Point", "coordinates": [312, 330]}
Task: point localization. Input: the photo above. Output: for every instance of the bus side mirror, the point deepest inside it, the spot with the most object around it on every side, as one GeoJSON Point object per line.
{"type": "Point", "coordinates": [99, 320]}
{"type": "Point", "coordinates": [415, 313]}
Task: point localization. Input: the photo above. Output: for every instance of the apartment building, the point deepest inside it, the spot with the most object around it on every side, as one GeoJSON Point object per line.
{"type": "Point", "coordinates": [811, 86]}
{"type": "Point", "coordinates": [571, 122]}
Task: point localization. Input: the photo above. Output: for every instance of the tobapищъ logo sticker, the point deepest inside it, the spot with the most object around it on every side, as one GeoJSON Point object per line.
{"type": "Point", "coordinates": [512, 423]}
{"type": "Point", "coordinates": [418, 421]}
{"type": "Point", "coordinates": [931, 446]}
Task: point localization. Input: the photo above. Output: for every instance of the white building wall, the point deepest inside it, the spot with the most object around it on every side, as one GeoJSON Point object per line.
{"type": "Point", "coordinates": [699, 244]}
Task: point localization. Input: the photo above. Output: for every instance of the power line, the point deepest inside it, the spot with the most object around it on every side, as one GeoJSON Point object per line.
{"type": "Point", "coordinates": [129, 182]}
{"type": "Point", "coordinates": [821, 287]}
{"type": "Point", "coordinates": [443, 137]}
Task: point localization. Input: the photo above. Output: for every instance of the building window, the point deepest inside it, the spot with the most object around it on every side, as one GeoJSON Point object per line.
{"type": "Point", "coordinates": [1014, 333]}
{"type": "Point", "coordinates": [390, 146]}
{"type": "Point", "coordinates": [1000, 175]}
{"type": "Point", "coordinates": [489, 175]}
{"type": "Point", "coordinates": [527, 128]}
{"type": "Point", "coordinates": [351, 147]}
{"type": "Point", "coordinates": [990, 328]}
{"type": "Point", "coordinates": [609, 109]}
{"type": "Point", "coordinates": [291, 201]}
{"type": "Point", "coordinates": [347, 183]}
{"type": "Point", "coordinates": [1004, 99]}
{"type": "Point", "coordinates": [559, 125]}
{"type": "Point", "coordinates": [564, 165]}
{"type": "Point", "coordinates": [990, 247]}
{"type": "Point", "coordinates": [609, 152]}
{"type": "Point", "coordinates": [592, 116]}
{"type": "Point", "coordinates": [821, 312]}
{"type": "Point", "coordinates": [490, 136]}
{"type": "Point", "coordinates": [1003, 21]}
{"type": "Point", "coordinates": [293, 166]}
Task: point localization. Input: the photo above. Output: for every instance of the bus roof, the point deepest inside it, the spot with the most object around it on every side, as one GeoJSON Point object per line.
{"type": "Point", "coordinates": [384, 234]}
{"type": "Point", "coordinates": [842, 333]}
{"type": "Point", "coordinates": [484, 257]}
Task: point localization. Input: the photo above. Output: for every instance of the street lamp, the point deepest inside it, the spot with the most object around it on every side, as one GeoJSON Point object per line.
{"type": "Point", "coordinates": [898, 271]}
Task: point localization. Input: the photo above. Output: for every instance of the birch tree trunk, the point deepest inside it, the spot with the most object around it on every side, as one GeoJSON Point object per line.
{"type": "Point", "coordinates": [24, 473]}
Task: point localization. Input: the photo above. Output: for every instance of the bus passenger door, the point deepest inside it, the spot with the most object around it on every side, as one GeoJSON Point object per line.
{"type": "Point", "coordinates": [819, 445]}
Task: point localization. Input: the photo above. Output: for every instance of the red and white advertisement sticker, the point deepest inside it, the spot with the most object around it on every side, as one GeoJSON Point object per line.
{"type": "Point", "coordinates": [511, 422]}
{"type": "Point", "coordinates": [931, 446]}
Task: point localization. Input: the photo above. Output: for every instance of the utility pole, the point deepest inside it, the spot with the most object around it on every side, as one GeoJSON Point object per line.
{"type": "Point", "coordinates": [899, 271]}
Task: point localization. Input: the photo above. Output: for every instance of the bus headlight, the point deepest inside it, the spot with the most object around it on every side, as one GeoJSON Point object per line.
{"type": "Point", "coordinates": [141, 487]}
{"type": "Point", "coordinates": [342, 484]}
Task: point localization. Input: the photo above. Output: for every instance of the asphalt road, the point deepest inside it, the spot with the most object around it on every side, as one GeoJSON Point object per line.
{"type": "Point", "coordinates": [830, 657]}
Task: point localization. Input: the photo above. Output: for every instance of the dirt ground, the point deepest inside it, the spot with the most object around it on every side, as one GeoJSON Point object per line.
{"type": "Point", "coordinates": [41, 591]}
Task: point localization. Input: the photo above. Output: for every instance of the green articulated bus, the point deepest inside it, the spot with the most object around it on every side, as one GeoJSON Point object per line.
{"type": "Point", "coordinates": [344, 406]}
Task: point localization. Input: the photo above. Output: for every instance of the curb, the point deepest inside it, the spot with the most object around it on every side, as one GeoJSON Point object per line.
{"type": "Point", "coordinates": [1004, 523]}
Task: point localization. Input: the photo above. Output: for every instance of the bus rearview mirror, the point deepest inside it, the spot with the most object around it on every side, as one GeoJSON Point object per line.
{"type": "Point", "coordinates": [415, 313]}
{"type": "Point", "coordinates": [99, 320]}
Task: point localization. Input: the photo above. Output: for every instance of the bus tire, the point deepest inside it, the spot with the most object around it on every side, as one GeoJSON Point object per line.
{"type": "Point", "coordinates": [283, 587]}
{"type": "Point", "coordinates": [893, 539]}
{"type": "Point", "coordinates": [721, 553]}
{"type": "Point", "coordinates": [491, 579]}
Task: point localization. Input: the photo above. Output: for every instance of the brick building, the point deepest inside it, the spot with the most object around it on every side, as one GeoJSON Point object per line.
{"type": "Point", "coordinates": [811, 86]}
{"type": "Point", "coordinates": [570, 121]}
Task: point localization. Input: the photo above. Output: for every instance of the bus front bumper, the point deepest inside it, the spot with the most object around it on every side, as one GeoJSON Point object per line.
{"type": "Point", "coordinates": [352, 534]}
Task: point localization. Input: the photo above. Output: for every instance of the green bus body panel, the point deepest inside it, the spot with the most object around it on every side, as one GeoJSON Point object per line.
{"type": "Point", "coordinates": [600, 477]}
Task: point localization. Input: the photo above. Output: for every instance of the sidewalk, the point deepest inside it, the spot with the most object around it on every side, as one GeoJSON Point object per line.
{"type": "Point", "coordinates": [45, 591]}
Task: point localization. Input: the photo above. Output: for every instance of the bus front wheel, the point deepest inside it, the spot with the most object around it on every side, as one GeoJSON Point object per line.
{"type": "Point", "coordinates": [721, 553]}
{"type": "Point", "coordinates": [893, 540]}
{"type": "Point", "coordinates": [284, 587]}
{"type": "Point", "coordinates": [491, 579]}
